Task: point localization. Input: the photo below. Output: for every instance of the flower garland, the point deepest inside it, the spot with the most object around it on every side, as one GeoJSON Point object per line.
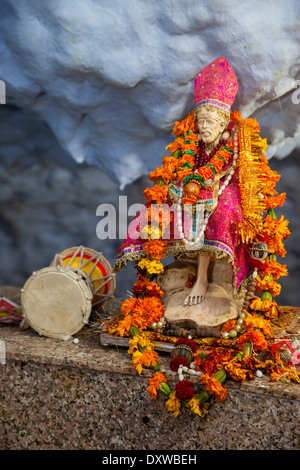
{"type": "Point", "coordinates": [146, 308]}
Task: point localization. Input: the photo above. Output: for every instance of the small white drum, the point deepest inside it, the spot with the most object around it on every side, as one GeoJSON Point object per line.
{"type": "Point", "coordinates": [57, 300]}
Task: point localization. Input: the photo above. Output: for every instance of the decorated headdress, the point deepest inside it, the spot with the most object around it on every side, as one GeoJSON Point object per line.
{"type": "Point", "coordinates": [216, 85]}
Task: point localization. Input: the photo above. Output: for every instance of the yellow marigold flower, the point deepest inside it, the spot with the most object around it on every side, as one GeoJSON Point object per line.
{"type": "Point", "coordinates": [173, 404]}
{"type": "Point", "coordinates": [136, 361]}
{"type": "Point", "coordinates": [147, 358]}
{"type": "Point", "coordinates": [153, 267]}
{"type": "Point", "coordinates": [143, 264]}
{"type": "Point", "coordinates": [139, 341]}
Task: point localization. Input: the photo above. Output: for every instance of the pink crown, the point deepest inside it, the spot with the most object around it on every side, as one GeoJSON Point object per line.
{"type": "Point", "coordinates": [216, 84]}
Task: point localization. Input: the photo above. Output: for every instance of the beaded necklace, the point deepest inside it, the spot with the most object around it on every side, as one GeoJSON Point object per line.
{"type": "Point", "coordinates": [198, 239]}
{"type": "Point", "coordinates": [202, 158]}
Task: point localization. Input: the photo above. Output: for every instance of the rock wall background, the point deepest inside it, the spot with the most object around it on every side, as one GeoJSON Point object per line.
{"type": "Point", "coordinates": [92, 92]}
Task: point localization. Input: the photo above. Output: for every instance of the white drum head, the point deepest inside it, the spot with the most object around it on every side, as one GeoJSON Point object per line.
{"type": "Point", "coordinates": [56, 302]}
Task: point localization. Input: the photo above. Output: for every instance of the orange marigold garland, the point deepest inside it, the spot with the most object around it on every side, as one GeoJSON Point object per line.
{"type": "Point", "coordinates": [259, 196]}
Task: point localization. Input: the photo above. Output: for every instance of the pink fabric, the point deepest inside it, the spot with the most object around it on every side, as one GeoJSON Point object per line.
{"type": "Point", "coordinates": [216, 83]}
{"type": "Point", "coordinates": [220, 231]}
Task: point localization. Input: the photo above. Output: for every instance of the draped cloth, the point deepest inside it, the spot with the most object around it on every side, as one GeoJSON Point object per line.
{"type": "Point", "coordinates": [220, 237]}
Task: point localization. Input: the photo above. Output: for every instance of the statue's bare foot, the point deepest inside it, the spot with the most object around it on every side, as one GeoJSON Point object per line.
{"type": "Point", "coordinates": [197, 294]}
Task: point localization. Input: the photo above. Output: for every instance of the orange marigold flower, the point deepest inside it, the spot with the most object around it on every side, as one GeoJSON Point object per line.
{"type": "Point", "coordinates": [147, 288]}
{"type": "Point", "coordinates": [189, 123]}
{"type": "Point", "coordinates": [198, 360]}
{"type": "Point", "coordinates": [140, 313]}
{"type": "Point", "coordinates": [258, 340]}
{"type": "Point", "coordinates": [130, 305]}
{"type": "Point", "coordinates": [183, 173]}
{"type": "Point", "coordinates": [154, 175]}
{"type": "Point", "coordinates": [213, 387]}
{"type": "Point", "coordinates": [205, 172]}
{"type": "Point", "coordinates": [229, 325]}
{"type": "Point", "coordinates": [267, 284]}
{"type": "Point", "coordinates": [150, 358]}
{"type": "Point", "coordinates": [192, 135]}
{"type": "Point", "coordinates": [177, 144]}
{"type": "Point", "coordinates": [191, 146]}
{"type": "Point", "coordinates": [252, 123]}
{"type": "Point", "coordinates": [276, 269]}
{"type": "Point", "coordinates": [155, 248]}
{"type": "Point", "coordinates": [156, 194]}
{"type": "Point", "coordinates": [224, 154]}
{"type": "Point", "coordinates": [235, 116]}
{"type": "Point", "coordinates": [153, 310]}
{"type": "Point", "coordinates": [186, 159]}
{"type": "Point", "coordinates": [217, 163]}
{"type": "Point", "coordinates": [257, 322]}
{"type": "Point", "coordinates": [189, 200]}
{"type": "Point", "coordinates": [124, 326]}
{"type": "Point", "coordinates": [212, 360]}
{"type": "Point", "coordinates": [275, 201]}
{"type": "Point", "coordinates": [145, 358]}
{"type": "Point", "coordinates": [235, 371]}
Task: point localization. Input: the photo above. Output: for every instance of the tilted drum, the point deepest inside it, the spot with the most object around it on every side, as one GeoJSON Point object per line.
{"type": "Point", "coordinates": [57, 301]}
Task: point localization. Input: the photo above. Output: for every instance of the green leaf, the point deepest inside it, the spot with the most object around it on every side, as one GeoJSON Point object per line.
{"type": "Point", "coordinates": [177, 153]}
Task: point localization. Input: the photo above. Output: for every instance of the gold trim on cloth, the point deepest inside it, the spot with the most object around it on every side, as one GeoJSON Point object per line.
{"type": "Point", "coordinates": [251, 147]}
{"type": "Point", "coordinates": [178, 248]}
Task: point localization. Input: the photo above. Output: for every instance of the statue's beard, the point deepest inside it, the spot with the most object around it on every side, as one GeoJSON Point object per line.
{"type": "Point", "coordinates": [209, 139]}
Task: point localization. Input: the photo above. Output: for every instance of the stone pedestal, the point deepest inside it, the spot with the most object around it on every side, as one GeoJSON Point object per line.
{"type": "Point", "coordinates": [218, 306]}
{"type": "Point", "coordinates": [57, 395]}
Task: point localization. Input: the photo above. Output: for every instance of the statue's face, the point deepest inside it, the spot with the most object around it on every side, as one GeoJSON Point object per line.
{"type": "Point", "coordinates": [210, 126]}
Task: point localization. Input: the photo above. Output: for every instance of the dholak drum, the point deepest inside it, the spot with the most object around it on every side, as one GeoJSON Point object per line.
{"type": "Point", "coordinates": [57, 300]}
{"type": "Point", "coordinates": [93, 266]}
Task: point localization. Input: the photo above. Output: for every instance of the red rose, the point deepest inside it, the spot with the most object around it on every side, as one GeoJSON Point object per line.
{"type": "Point", "coordinates": [184, 390]}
